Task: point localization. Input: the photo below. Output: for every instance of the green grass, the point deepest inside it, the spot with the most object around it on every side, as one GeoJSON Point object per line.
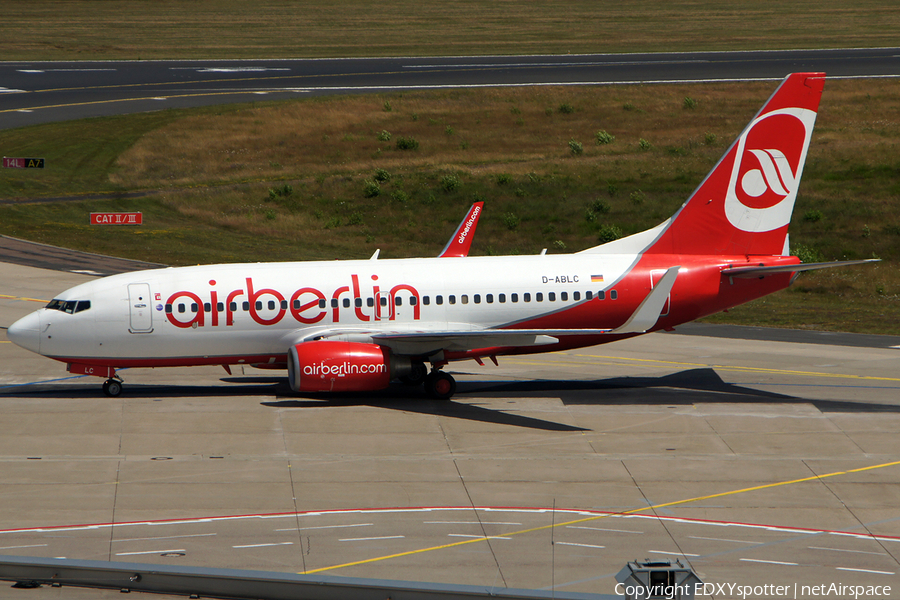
{"type": "Point", "coordinates": [125, 29]}
{"type": "Point", "coordinates": [211, 170]}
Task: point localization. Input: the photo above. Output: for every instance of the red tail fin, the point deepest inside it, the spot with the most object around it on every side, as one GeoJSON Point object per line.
{"type": "Point", "coordinates": [461, 241]}
{"type": "Point", "coordinates": [744, 205]}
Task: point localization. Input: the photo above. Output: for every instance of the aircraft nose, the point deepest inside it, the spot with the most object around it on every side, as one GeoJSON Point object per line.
{"type": "Point", "coordinates": [26, 332]}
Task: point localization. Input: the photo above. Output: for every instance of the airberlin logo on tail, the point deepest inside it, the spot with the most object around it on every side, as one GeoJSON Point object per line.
{"type": "Point", "coordinates": [768, 162]}
{"type": "Point", "coordinates": [465, 232]}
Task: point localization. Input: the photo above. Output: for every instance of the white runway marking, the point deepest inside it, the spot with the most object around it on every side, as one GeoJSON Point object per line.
{"type": "Point", "coordinates": [62, 70]}
{"type": "Point", "coordinates": [843, 550]}
{"type": "Point", "coordinates": [584, 545]}
{"type": "Point", "coordinates": [769, 562]}
{"type": "Point", "coordinates": [326, 527]}
{"type": "Point", "coordinates": [264, 545]}
{"type": "Point", "coordinates": [386, 537]}
{"type": "Point", "coordinates": [167, 537]}
{"type": "Point", "coordinates": [485, 537]}
{"type": "Point", "coordinates": [150, 552]}
{"type": "Point", "coordinates": [31, 546]}
{"type": "Point", "coordinates": [865, 571]}
{"type": "Point", "coordinates": [602, 529]}
{"type": "Point", "coordinates": [469, 523]}
{"type": "Point", "coordinates": [696, 537]}
{"type": "Point", "coordinates": [672, 553]}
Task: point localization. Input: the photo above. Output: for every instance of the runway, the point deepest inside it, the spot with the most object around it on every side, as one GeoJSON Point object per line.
{"type": "Point", "coordinates": [41, 92]}
{"type": "Point", "coordinates": [755, 461]}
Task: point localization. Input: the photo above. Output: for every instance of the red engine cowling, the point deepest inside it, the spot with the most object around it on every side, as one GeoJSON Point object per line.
{"type": "Point", "coordinates": [328, 366]}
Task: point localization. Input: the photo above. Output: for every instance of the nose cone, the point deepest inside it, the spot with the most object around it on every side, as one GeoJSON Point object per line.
{"type": "Point", "coordinates": [26, 332]}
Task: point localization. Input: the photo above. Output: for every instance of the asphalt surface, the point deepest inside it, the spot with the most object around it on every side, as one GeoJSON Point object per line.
{"type": "Point", "coordinates": [754, 462]}
{"type": "Point", "coordinates": [40, 92]}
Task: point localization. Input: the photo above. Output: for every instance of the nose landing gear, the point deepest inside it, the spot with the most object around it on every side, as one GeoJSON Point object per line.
{"type": "Point", "coordinates": [112, 387]}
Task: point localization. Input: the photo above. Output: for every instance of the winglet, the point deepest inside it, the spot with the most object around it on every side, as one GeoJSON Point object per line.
{"type": "Point", "coordinates": [647, 314]}
{"type": "Point", "coordinates": [461, 241]}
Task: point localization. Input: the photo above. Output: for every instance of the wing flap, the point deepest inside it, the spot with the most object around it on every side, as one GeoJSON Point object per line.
{"type": "Point", "coordinates": [430, 342]}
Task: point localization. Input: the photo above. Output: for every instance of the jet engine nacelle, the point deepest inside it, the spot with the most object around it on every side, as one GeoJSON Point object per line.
{"type": "Point", "coordinates": [328, 366]}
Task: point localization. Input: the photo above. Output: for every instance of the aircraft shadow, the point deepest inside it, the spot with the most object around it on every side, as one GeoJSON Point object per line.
{"type": "Point", "coordinates": [693, 386]}
{"type": "Point", "coordinates": [444, 408]}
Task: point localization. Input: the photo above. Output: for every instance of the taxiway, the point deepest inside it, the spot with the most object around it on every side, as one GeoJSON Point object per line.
{"type": "Point", "coordinates": [755, 461]}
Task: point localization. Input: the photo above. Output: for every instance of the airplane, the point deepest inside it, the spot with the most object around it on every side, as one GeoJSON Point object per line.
{"type": "Point", "coordinates": [357, 325]}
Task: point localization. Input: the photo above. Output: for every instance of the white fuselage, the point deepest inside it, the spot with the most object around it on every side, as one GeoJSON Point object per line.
{"type": "Point", "coordinates": [260, 309]}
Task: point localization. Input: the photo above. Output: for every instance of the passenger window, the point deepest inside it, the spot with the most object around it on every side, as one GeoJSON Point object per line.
{"type": "Point", "coordinates": [576, 296]}
{"type": "Point", "coordinates": [451, 299]}
{"type": "Point", "coordinates": [370, 302]}
{"type": "Point", "coordinates": [539, 297]}
{"type": "Point", "coordinates": [334, 303]}
{"type": "Point", "coordinates": [464, 299]}
{"type": "Point", "coordinates": [271, 305]}
{"type": "Point", "coordinates": [601, 294]}
{"type": "Point", "coordinates": [207, 307]}
{"type": "Point", "coordinates": [477, 298]}
{"type": "Point", "coordinates": [613, 295]}
{"type": "Point", "coordinates": [296, 305]}
{"type": "Point", "coordinates": [526, 297]}
{"type": "Point", "coordinates": [346, 302]}
{"type": "Point", "coordinates": [513, 297]}
{"type": "Point", "coordinates": [322, 303]}
{"type": "Point", "coordinates": [232, 306]}
{"type": "Point", "coordinates": [168, 308]}
{"type": "Point", "coordinates": [587, 295]}
{"type": "Point", "coordinates": [246, 306]}
{"type": "Point", "coordinates": [181, 307]}
{"type": "Point", "coordinates": [412, 300]}
{"type": "Point", "coordinates": [194, 307]}
{"type": "Point", "coordinates": [383, 301]}
{"type": "Point", "coordinates": [551, 296]}
{"type": "Point", "coordinates": [284, 305]}
{"type": "Point", "coordinates": [398, 301]}
{"type": "Point", "coordinates": [259, 305]}
{"type": "Point", "coordinates": [439, 299]}
{"type": "Point", "coordinates": [425, 300]}
{"type": "Point", "coordinates": [501, 298]}
{"type": "Point", "coordinates": [489, 298]}
{"type": "Point", "coordinates": [357, 302]}
{"type": "Point", "coordinates": [563, 296]}
{"type": "Point", "coordinates": [220, 306]}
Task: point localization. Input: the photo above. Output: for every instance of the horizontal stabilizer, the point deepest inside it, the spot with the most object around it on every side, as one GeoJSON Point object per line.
{"type": "Point", "coordinates": [751, 272]}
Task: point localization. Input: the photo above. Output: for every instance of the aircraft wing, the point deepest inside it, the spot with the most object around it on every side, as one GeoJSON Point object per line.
{"type": "Point", "coordinates": [461, 240]}
{"type": "Point", "coordinates": [428, 342]}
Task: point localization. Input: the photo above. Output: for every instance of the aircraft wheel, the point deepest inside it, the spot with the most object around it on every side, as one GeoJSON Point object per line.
{"type": "Point", "coordinates": [440, 385]}
{"type": "Point", "coordinates": [416, 376]}
{"type": "Point", "coordinates": [112, 388]}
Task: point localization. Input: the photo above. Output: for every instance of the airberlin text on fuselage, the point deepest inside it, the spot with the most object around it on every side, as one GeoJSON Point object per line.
{"type": "Point", "coordinates": [306, 305]}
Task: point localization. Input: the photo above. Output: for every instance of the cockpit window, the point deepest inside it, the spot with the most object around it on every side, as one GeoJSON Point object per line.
{"type": "Point", "coordinates": [69, 306]}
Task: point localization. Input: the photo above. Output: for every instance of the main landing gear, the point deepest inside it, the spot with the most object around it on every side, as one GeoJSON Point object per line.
{"type": "Point", "coordinates": [440, 385]}
{"type": "Point", "coordinates": [112, 387]}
